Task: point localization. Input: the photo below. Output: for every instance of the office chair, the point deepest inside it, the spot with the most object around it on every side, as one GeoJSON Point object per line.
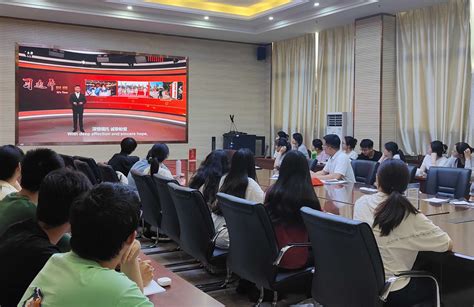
{"type": "Point", "coordinates": [107, 173]}
{"type": "Point", "coordinates": [448, 182]}
{"type": "Point", "coordinates": [84, 168]}
{"type": "Point", "coordinates": [93, 166]}
{"type": "Point", "coordinates": [365, 171]}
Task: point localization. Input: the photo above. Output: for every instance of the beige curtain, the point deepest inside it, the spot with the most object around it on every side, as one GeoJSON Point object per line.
{"type": "Point", "coordinates": [434, 75]}
{"type": "Point", "coordinates": [470, 128]}
{"type": "Point", "coordinates": [335, 84]}
{"type": "Point", "coordinates": [293, 86]}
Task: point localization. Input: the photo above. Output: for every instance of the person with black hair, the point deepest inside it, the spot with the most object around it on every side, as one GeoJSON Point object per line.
{"type": "Point", "coordinates": [391, 151]}
{"type": "Point", "coordinates": [280, 135]}
{"type": "Point", "coordinates": [241, 182]}
{"type": "Point", "coordinates": [367, 151]}
{"type": "Point", "coordinates": [10, 169]}
{"type": "Point", "coordinates": [209, 174]}
{"type": "Point", "coordinates": [321, 156]}
{"type": "Point", "coordinates": [282, 147]}
{"type": "Point", "coordinates": [123, 161]}
{"type": "Point", "coordinates": [88, 274]}
{"type": "Point", "coordinates": [339, 165]}
{"type": "Point", "coordinates": [77, 101]}
{"type": "Point", "coordinates": [348, 146]}
{"type": "Point", "coordinates": [401, 232]}
{"type": "Point", "coordinates": [461, 157]}
{"type": "Point", "coordinates": [20, 206]}
{"type": "Point", "coordinates": [434, 157]}
{"type": "Point", "coordinates": [284, 199]}
{"type": "Point", "coordinates": [32, 242]}
{"type": "Point", "coordinates": [297, 144]}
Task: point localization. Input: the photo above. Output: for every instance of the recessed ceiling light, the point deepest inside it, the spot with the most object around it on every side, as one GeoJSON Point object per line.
{"type": "Point", "coordinates": [270, 18]}
{"type": "Point", "coordinates": [316, 4]}
{"type": "Point", "coordinates": [206, 17]}
{"type": "Point", "coordinates": [129, 7]}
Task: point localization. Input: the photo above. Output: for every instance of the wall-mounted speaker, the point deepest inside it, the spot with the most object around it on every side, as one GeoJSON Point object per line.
{"type": "Point", "coordinates": [261, 53]}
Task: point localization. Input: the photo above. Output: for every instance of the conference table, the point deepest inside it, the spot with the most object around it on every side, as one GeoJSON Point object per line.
{"type": "Point", "coordinates": [180, 292]}
{"type": "Point", "coordinates": [454, 270]}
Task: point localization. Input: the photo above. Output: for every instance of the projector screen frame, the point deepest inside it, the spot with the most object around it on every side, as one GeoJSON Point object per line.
{"type": "Point", "coordinates": [101, 51]}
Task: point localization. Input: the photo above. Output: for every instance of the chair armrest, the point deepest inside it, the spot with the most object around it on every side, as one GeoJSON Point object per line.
{"type": "Point", "coordinates": [284, 249]}
{"type": "Point", "coordinates": [214, 239]}
{"type": "Point", "coordinates": [409, 274]}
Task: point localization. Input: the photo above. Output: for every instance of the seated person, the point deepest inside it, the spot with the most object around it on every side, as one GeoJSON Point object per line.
{"type": "Point", "coordinates": [26, 246]}
{"type": "Point", "coordinates": [348, 145]}
{"type": "Point", "coordinates": [239, 182]}
{"type": "Point", "coordinates": [10, 169]}
{"type": "Point", "coordinates": [283, 147]}
{"type": "Point", "coordinates": [297, 144]}
{"type": "Point", "coordinates": [123, 161]}
{"type": "Point", "coordinates": [339, 165]}
{"type": "Point", "coordinates": [20, 206]}
{"type": "Point", "coordinates": [159, 151]}
{"type": "Point", "coordinates": [86, 276]}
{"type": "Point", "coordinates": [435, 157]}
{"type": "Point", "coordinates": [284, 199]}
{"type": "Point", "coordinates": [321, 156]}
{"type": "Point", "coordinates": [367, 151]}
{"type": "Point", "coordinates": [401, 232]}
{"type": "Point", "coordinates": [391, 151]}
{"type": "Point", "coordinates": [461, 157]}
{"type": "Point", "coordinates": [209, 174]}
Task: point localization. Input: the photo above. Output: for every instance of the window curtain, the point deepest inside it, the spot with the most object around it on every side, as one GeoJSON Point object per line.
{"type": "Point", "coordinates": [335, 84]}
{"type": "Point", "coordinates": [293, 86]}
{"type": "Point", "coordinates": [433, 75]}
{"type": "Point", "coordinates": [470, 128]}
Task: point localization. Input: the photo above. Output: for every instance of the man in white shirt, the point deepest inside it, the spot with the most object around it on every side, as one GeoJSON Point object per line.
{"type": "Point", "coordinates": [10, 169]}
{"type": "Point", "coordinates": [338, 165]}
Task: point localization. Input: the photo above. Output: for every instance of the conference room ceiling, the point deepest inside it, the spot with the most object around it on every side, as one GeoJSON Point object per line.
{"type": "Point", "coordinates": [252, 21]}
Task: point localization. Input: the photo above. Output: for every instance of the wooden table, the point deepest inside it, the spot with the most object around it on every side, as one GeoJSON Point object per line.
{"type": "Point", "coordinates": [181, 293]}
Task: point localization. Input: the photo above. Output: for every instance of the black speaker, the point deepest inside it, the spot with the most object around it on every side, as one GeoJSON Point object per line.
{"type": "Point", "coordinates": [261, 53]}
{"type": "Point", "coordinates": [213, 143]}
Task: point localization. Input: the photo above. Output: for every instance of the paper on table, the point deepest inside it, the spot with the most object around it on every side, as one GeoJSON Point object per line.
{"type": "Point", "coordinates": [153, 288]}
{"type": "Point", "coordinates": [461, 202]}
{"type": "Point", "coordinates": [333, 181]}
{"type": "Point", "coordinates": [436, 200]}
{"type": "Point", "coordinates": [372, 190]}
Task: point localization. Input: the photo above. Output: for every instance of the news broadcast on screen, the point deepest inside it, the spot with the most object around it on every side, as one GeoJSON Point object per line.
{"type": "Point", "coordinates": [69, 96]}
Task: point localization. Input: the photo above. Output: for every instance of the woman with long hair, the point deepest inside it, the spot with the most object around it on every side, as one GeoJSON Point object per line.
{"type": "Point", "coordinates": [461, 156]}
{"type": "Point", "coordinates": [434, 157]}
{"type": "Point", "coordinates": [401, 232]}
{"type": "Point", "coordinates": [297, 144]}
{"type": "Point", "coordinates": [282, 148]}
{"type": "Point", "coordinates": [391, 151]}
{"type": "Point", "coordinates": [209, 174]}
{"type": "Point", "coordinates": [348, 145]}
{"type": "Point", "coordinates": [284, 199]}
{"type": "Point", "coordinates": [241, 182]}
{"type": "Point", "coordinates": [156, 156]}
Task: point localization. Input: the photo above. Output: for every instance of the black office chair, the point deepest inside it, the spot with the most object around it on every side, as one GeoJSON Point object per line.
{"type": "Point", "coordinates": [412, 171]}
{"type": "Point", "coordinates": [348, 267]}
{"type": "Point", "coordinates": [448, 182]}
{"type": "Point", "coordinates": [254, 253]}
{"type": "Point", "coordinates": [151, 208]}
{"type": "Point", "coordinates": [107, 173]}
{"type": "Point", "coordinates": [84, 168]}
{"type": "Point", "coordinates": [197, 236]}
{"type": "Point", "coordinates": [365, 171]}
{"type": "Point", "coordinates": [93, 166]}
{"type": "Point", "coordinates": [169, 217]}
{"type": "Point", "coordinates": [313, 165]}
{"type": "Point", "coordinates": [68, 161]}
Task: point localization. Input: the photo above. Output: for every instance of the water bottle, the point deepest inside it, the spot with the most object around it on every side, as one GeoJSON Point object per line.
{"type": "Point", "coordinates": [178, 168]}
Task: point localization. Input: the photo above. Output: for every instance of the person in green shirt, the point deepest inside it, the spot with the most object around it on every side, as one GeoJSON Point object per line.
{"type": "Point", "coordinates": [103, 227]}
{"type": "Point", "coordinates": [21, 206]}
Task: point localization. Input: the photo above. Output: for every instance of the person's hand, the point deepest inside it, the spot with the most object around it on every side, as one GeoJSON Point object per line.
{"type": "Point", "coordinates": [146, 271]}
{"type": "Point", "coordinates": [74, 103]}
{"type": "Point", "coordinates": [467, 154]}
{"type": "Point", "coordinates": [132, 253]}
{"type": "Point", "coordinates": [282, 150]}
{"type": "Point", "coordinates": [80, 103]}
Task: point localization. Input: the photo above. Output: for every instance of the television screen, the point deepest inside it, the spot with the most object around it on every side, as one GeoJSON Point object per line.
{"type": "Point", "coordinates": [99, 97]}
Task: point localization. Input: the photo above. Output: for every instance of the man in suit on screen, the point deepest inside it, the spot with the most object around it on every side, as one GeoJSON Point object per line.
{"type": "Point", "coordinates": [77, 100]}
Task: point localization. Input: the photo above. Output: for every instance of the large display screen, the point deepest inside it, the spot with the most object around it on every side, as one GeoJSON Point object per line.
{"type": "Point", "coordinates": [98, 97]}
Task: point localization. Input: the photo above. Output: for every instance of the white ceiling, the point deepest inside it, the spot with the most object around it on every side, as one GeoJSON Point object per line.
{"type": "Point", "coordinates": [290, 20]}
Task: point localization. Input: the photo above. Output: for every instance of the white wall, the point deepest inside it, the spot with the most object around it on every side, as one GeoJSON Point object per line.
{"type": "Point", "coordinates": [224, 78]}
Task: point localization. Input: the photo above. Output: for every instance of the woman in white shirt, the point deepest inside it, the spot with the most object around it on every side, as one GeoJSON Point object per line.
{"type": "Point", "coordinates": [435, 157]}
{"type": "Point", "coordinates": [283, 146]}
{"type": "Point", "coordinates": [156, 156]}
{"type": "Point", "coordinates": [348, 145]}
{"type": "Point", "coordinates": [239, 182]}
{"type": "Point", "coordinates": [461, 157]}
{"type": "Point", "coordinates": [391, 151]}
{"type": "Point", "coordinates": [401, 232]}
{"type": "Point", "coordinates": [297, 144]}
{"type": "Point", "coordinates": [10, 169]}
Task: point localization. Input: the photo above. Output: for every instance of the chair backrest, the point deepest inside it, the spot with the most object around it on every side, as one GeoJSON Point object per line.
{"type": "Point", "coordinates": [348, 267]}
{"type": "Point", "coordinates": [313, 165]}
{"type": "Point", "coordinates": [253, 246]}
{"type": "Point", "coordinates": [412, 171]}
{"type": "Point", "coordinates": [196, 228]}
{"type": "Point", "coordinates": [449, 182]}
{"type": "Point", "coordinates": [151, 208]}
{"type": "Point", "coordinates": [84, 168]}
{"type": "Point", "coordinates": [169, 219]}
{"type": "Point", "coordinates": [107, 173]}
{"type": "Point", "coordinates": [68, 161]}
{"type": "Point", "coordinates": [365, 171]}
{"type": "Point", "coordinates": [93, 166]}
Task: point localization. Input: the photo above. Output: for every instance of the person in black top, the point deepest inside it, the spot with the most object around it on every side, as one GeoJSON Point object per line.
{"type": "Point", "coordinates": [77, 101]}
{"type": "Point", "coordinates": [27, 245]}
{"type": "Point", "coordinates": [368, 152]}
{"type": "Point", "coordinates": [123, 162]}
